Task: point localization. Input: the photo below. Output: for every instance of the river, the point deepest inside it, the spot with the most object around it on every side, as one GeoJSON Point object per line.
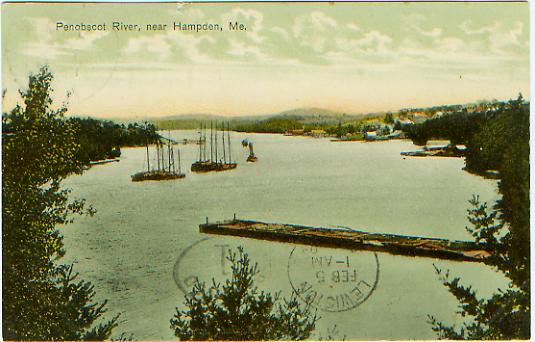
{"type": "Point", "coordinates": [144, 238]}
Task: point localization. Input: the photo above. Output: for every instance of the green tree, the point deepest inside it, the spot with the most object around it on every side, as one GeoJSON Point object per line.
{"type": "Point", "coordinates": [42, 299]}
{"type": "Point", "coordinates": [502, 142]}
{"type": "Point", "coordinates": [238, 311]}
{"type": "Point", "coordinates": [389, 119]}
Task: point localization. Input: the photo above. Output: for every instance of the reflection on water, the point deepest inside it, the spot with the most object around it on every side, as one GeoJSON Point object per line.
{"type": "Point", "coordinates": [143, 244]}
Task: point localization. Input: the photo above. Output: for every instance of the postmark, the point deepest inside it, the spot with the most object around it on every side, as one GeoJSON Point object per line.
{"type": "Point", "coordinates": [206, 259]}
{"type": "Point", "coordinates": [333, 280]}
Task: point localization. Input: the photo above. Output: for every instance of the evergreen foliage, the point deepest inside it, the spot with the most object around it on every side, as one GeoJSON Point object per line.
{"type": "Point", "coordinates": [42, 299]}
{"type": "Point", "coordinates": [501, 142]}
{"type": "Point", "coordinates": [101, 139]}
{"type": "Point", "coordinates": [237, 310]}
{"type": "Point", "coordinates": [271, 125]}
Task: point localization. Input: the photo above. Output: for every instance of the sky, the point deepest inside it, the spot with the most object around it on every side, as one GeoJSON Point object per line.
{"type": "Point", "coordinates": [348, 57]}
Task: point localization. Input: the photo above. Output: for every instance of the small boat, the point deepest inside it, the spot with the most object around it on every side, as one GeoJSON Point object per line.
{"type": "Point", "coordinates": [252, 158]}
{"type": "Point", "coordinates": [214, 162]}
{"type": "Point", "coordinates": [165, 169]}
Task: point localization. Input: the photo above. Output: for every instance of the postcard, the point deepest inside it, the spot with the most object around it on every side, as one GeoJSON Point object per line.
{"type": "Point", "coordinates": [265, 171]}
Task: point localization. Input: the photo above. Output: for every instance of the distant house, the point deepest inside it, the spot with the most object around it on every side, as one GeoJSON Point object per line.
{"type": "Point", "coordinates": [397, 135]}
{"type": "Point", "coordinates": [370, 135]}
{"type": "Point", "coordinates": [370, 126]}
{"type": "Point", "coordinates": [318, 133]}
{"type": "Point", "coordinates": [419, 118]}
{"type": "Point", "coordinates": [438, 114]}
{"type": "Point", "coordinates": [404, 121]}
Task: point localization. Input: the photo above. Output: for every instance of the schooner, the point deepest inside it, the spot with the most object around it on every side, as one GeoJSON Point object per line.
{"type": "Point", "coordinates": [220, 158]}
{"type": "Point", "coordinates": [165, 167]}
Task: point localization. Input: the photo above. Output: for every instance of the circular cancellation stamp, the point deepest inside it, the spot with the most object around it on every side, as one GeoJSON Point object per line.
{"type": "Point", "coordinates": [333, 280]}
{"type": "Point", "coordinates": [206, 259]}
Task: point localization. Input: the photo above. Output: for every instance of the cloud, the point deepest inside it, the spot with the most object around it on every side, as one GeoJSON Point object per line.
{"type": "Point", "coordinates": [501, 39]}
{"type": "Point", "coordinates": [51, 46]}
{"type": "Point", "coordinates": [185, 10]}
{"type": "Point", "coordinates": [372, 41]}
{"type": "Point", "coordinates": [433, 33]}
{"type": "Point", "coordinates": [314, 30]}
{"type": "Point", "coordinates": [315, 22]}
{"type": "Point", "coordinates": [468, 28]}
{"type": "Point", "coordinates": [157, 44]}
{"type": "Point", "coordinates": [507, 40]}
{"type": "Point", "coordinates": [353, 27]}
{"type": "Point", "coordinates": [85, 40]}
{"type": "Point", "coordinates": [416, 22]}
{"type": "Point", "coordinates": [371, 48]}
{"type": "Point", "coordinates": [169, 46]}
{"type": "Point", "coordinates": [251, 18]}
{"type": "Point", "coordinates": [281, 32]}
{"type": "Point", "coordinates": [240, 49]}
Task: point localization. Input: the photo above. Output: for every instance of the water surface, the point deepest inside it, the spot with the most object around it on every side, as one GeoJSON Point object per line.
{"type": "Point", "coordinates": [130, 248]}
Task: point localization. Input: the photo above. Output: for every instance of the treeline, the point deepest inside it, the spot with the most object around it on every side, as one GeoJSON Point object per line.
{"type": "Point", "coordinates": [102, 139]}
{"type": "Point", "coordinates": [288, 124]}
{"type": "Point", "coordinates": [98, 139]}
{"type": "Point", "coordinates": [180, 124]}
{"type": "Point", "coordinates": [335, 125]}
{"type": "Point", "coordinates": [495, 140]}
{"type": "Point", "coordinates": [270, 125]}
{"type": "Point", "coordinates": [458, 127]}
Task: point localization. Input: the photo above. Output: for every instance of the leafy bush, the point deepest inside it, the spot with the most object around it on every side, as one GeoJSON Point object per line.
{"type": "Point", "coordinates": [42, 300]}
{"type": "Point", "coordinates": [238, 311]}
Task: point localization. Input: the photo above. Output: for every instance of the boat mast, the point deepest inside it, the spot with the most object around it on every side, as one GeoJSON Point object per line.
{"type": "Point", "coordinates": [200, 143]}
{"type": "Point", "coordinates": [211, 144]}
{"type": "Point", "coordinates": [165, 160]}
{"type": "Point", "coordinates": [224, 148]}
{"type": "Point", "coordinates": [148, 161]}
{"type": "Point", "coordinates": [162, 158]}
{"type": "Point", "coordinates": [170, 154]}
{"type": "Point", "coordinates": [179, 168]}
{"type": "Point", "coordinates": [216, 160]}
{"type": "Point", "coordinates": [158, 155]}
{"type": "Point", "coordinates": [228, 140]}
{"type": "Point", "coordinates": [204, 141]}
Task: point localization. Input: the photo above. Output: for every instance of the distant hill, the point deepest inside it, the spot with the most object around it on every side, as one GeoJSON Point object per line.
{"type": "Point", "coordinates": [191, 116]}
{"type": "Point", "coordinates": [193, 120]}
{"type": "Point", "coordinates": [297, 112]}
{"type": "Point", "coordinates": [312, 111]}
{"type": "Point", "coordinates": [308, 116]}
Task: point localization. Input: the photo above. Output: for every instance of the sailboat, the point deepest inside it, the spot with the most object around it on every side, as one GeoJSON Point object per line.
{"type": "Point", "coordinates": [252, 157]}
{"type": "Point", "coordinates": [165, 164]}
{"type": "Point", "coordinates": [216, 161]}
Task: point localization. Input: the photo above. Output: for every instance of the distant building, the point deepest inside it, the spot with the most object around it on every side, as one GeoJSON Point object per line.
{"type": "Point", "coordinates": [370, 135]}
{"type": "Point", "coordinates": [318, 133]}
{"type": "Point", "coordinates": [404, 121]}
{"type": "Point", "coordinates": [397, 135]}
{"type": "Point", "coordinates": [419, 118]}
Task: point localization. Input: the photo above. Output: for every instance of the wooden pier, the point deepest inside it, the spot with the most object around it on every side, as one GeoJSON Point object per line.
{"type": "Point", "coordinates": [349, 239]}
